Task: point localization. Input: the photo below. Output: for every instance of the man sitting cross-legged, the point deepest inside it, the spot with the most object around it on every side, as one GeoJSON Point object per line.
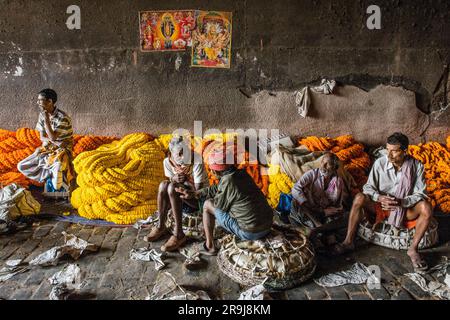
{"type": "Point", "coordinates": [319, 197]}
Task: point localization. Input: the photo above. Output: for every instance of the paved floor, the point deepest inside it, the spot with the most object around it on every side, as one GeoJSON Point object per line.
{"type": "Point", "coordinates": [111, 274]}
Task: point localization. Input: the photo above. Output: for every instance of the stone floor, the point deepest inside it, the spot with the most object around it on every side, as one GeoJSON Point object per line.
{"type": "Point", "coordinates": [111, 274]}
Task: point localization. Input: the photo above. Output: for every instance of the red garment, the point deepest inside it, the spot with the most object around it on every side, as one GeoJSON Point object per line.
{"type": "Point", "coordinates": [383, 214]}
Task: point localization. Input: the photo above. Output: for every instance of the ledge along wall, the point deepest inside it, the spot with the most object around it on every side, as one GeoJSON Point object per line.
{"type": "Point", "coordinates": [387, 78]}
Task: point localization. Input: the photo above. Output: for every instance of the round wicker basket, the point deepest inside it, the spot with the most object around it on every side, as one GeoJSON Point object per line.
{"type": "Point", "coordinates": [282, 260]}
{"type": "Point", "coordinates": [384, 235]}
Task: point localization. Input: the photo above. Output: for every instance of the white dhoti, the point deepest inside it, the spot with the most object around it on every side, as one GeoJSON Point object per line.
{"type": "Point", "coordinates": [47, 162]}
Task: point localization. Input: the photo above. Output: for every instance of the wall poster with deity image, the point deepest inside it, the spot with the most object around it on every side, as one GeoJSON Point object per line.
{"type": "Point", "coordinates": [211, 39]}
{"type": "Point", "coordinates": [168, 30]}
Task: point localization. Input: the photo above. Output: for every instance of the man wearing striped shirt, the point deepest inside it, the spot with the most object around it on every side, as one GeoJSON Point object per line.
{"type": "Point", "coordinates": [52, 159]}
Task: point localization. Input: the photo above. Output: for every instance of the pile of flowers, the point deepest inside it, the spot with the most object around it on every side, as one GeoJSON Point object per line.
{"type": "Point", "coordinates": [89, 142]}
{"type": "Point", "coordinates": [351, 153]}
{"type": "Point", "coordinates": [278, 183]}
{"type": "Point", "coordinates": [436, 160]}
{"type": "Point", "coordinates": [14, 147]}
{"type": "Point", "coordinates": [119, 182]}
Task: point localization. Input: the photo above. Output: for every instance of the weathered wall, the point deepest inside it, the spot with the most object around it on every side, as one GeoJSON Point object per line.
{"type": "Point", "coordinates": [110, 87]}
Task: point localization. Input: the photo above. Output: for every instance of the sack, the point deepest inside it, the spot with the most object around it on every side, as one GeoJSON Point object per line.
{"type": "Point", "coordinates": [16, 201]}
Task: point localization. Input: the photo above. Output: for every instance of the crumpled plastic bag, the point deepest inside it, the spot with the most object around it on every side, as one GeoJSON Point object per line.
{"type": "Point", "coordinates": [441, 268]}
{"type": "Point", "coordinates": [150, 220]}
{"type": "Point", "coordinates": [146, 254]}
{"type": "Point", "coordinates": [72, 246]}
{"type": "Point", "coordinates": [11, 268]}
{"type": "Point", "coordinates": [192, 255]}
{"type": "Point", "coordinates": [167, 288]}
{"type": "Point", "coordinates": [16, 201]}
{"type": "Point", "coordinates": [434, 288]}
{"type": "Point", "coordinates": [358, 274]}
{"type": "Point", "coordinates": [258, 292]}
{"type": "Point", "coordinates": [65, 282]}
{"type": "Point", "coordinates": [326, 86]}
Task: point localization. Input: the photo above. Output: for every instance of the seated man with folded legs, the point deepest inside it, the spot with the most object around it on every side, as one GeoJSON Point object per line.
{"type": "Point", "coordinates": [52, 162]}
{"type": "Point", "coordinates": [190, 176]}
{"type": "Point", "coordinates": [236, 203]}
{"type": "Point", "coordinates": [396, 188]}
{"type": "Point", "coordinates": [318, 196]}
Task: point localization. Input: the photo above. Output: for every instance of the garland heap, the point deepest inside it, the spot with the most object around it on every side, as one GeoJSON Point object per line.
{"type": "Point", "coordinates": [118, 182]}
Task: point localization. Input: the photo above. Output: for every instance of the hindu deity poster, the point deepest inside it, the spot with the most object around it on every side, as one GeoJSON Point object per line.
{"type": "Point", "coordinates": [211, 39]}
{"type": "Point", "coordinates": [166, 30]}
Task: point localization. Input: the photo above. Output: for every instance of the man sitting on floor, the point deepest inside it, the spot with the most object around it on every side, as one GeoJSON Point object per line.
{"type": "Point", "coordinates": [396, 188]}
{"type": "Point", "coordinates": [235, 202]}
{"type": "Point", "coordinates": [319, 195]}
{"type": "Point", "coordinates": [190, 176]}
{"type": "Point", "coordinates": [53, 159]}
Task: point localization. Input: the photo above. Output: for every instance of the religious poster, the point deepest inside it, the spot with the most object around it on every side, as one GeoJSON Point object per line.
{"type": "Point", "coordinates": [166, 30]}
{"type": "Point", "coordinates": [211, 40]}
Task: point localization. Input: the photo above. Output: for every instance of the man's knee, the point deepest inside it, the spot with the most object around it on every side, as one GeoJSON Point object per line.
{"type": "Point", "coordinates": [424, 209]}
{"type": "Point", "coordinates": [208, 206]}
{"type": "Point", "coordinates": [171, 190]}
{"type": "Point", "coordinates": [163, 186]}
{"type": "Point", "coordinates": [359, 200]}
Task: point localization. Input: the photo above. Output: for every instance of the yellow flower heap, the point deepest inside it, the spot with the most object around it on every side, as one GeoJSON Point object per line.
{"type": "Point", "coordinates": [118, 182]}
{"type": "Point", "coordinates": [278, 183]}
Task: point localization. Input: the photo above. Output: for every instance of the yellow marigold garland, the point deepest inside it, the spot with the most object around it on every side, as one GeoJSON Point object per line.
{"type": "Point", "coordinates": [278, 182]}
{"type": "Point", "coordinates": [119, 181]}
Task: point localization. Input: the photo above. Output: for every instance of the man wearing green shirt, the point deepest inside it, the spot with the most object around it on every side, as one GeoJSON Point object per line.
{"type": "Point", "coordinates": [235, 202]}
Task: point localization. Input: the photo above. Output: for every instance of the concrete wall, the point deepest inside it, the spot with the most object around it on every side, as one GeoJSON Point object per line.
{"type": "Point", "coordinates": [111, 88]}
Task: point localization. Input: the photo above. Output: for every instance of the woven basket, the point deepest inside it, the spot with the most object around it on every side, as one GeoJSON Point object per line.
{"type": "Point", "coordinates": [383, 235]}
{"type": "Point", "coordinates": [284, 259]}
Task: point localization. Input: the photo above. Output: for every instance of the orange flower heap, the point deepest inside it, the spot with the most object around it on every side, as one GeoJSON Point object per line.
{"type": "Point", "coordinates": [436, 160]}
{"type": "Point", "coordinates": [351, 153]}
{"type": "Point", "coordinates": [14, 147]}
{"type": "Point", "coordinates": [89, 143]}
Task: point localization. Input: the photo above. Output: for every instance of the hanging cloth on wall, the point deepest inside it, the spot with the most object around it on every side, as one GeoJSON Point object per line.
{"type": "Point", "coordinates": [303, 100]}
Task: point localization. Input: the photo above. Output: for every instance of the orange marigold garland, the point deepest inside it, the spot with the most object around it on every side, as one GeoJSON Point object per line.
{"type": "Point", "coordinates": [14, 147]}
{"type": "Point", "coordinates": [350, 152]}
{"type": "Point", "coordinates": [252, 167]}
{"type": "Point", "coordinates": [436, 160]}
{"type": "Point", "coordinates": [90, 142]}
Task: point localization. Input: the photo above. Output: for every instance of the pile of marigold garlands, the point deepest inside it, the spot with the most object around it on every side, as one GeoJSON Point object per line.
{"type": "Point", "coordinates": [436, 160]}
{"type": "Point", "coordinates": [14, 147]}
{"type": "Point", "coordinates": [17, 145]}
{"type": "Point", "coordinates": [243, 159]}
{"type": "Point", "coordinates": [119, 182]}
{"type": "Point", "coordinates": [351, 153]}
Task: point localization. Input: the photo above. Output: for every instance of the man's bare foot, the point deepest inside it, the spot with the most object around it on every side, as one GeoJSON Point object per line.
{"type": "Point", "coordinates": [341, 248]}
{"type": "Point", "coordinates": [419, 264]}
{"type": "Point", "coordinates": [173, 243]}
{"type": "Point", "coordinates": [155, 234]}
{"type": "Point", "coordinates": [207, 251]}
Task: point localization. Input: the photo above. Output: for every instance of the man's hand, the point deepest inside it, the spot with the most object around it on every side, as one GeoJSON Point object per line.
{"type": "Point", "coordinates": [388, 203]}
{"type": "Point", "coordinates": [331, 211]}
{"type": "Point", "coordinates": [186, 193]}
{"type": "Point", "coordinates": [179, 178]}
{"type": "Point", "coordinates": [46, 116]}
